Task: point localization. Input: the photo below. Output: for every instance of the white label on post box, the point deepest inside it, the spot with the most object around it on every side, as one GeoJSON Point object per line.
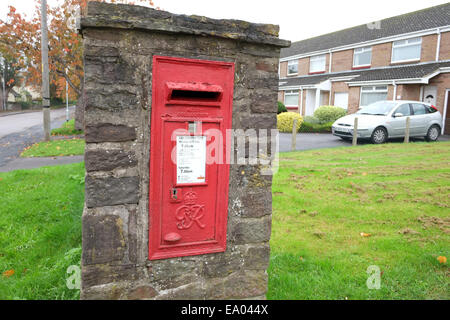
{"type": "Point", "coordinates": [191, 159]}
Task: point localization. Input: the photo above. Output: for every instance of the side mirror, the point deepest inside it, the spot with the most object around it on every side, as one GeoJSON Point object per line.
{"type": "Point", "coordinates": [398, 115]}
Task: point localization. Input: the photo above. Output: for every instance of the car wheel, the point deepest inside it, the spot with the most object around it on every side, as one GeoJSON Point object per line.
{"type": "Point", "coordinates": [433, 133]}
{"type": "Point", "coordinates": [379, 135]}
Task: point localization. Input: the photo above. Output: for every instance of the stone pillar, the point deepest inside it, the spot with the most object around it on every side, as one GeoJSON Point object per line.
{"type": "Point", "coordinates": [119, 42]}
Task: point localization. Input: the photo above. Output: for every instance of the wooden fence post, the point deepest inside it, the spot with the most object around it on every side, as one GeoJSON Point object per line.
{"type": "Point", "coordinates": [294, 135]}
{"type": "Point", "coordinates": [407, 130]}
{"type": "Point", "coordinates": [355, 132]}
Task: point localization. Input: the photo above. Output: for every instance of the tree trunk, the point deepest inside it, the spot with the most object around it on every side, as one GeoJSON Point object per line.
{"type": "Point", "coordinates": [79, 111]}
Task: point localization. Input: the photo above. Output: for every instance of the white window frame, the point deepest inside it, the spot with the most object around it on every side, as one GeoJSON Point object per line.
{"type": "Point", "coordinates": [407, 43]}
{"type": "Point", "coordinates": [315, 58]}
{"type": "Point", "coordinates": [362, 50]}
{"type": "Point", "coordinates": [291, 93]}
{"type": "Point", "coordinates": [374, 89]}
{"type": "Point", "coordinates": [295, 61]}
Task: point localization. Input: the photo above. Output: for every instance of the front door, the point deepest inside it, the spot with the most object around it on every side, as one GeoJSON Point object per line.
{"type": "Point", "coordinates": [310, 102]}
{"type": "Point", "coordinates": [341, 99]}
{"type": "Point", "coordinates": [447, 114]}
{"type": "Point", "coordinates": [430, 94]}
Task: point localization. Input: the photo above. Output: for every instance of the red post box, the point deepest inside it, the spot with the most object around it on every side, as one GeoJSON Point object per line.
{"type": "Point", "coordinates": [188, 193]}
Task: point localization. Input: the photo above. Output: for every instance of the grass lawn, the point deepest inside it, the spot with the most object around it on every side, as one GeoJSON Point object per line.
{"type": "Point", "coordinates": [67, 129]}
{"type": "Point", "coordinates": [40, 231]}
{"type": "Point", "coordinates": [338, 211]}
{"type": "Point", "coordinates": [396, 195]}
{"type": "Point", "coordinates": [54, 148]}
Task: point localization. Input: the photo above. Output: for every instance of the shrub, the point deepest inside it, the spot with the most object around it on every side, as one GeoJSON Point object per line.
{"type": "Point", "coordinates": [308, 127]}
{"type": "Point", "coordinates": [311, 119]}
{"type": "Point", "coordinates": [281, 107]}
{"type": "Point", "coordinates": [285, 121]}
{"type": "Point", "coordinates": [329, 113]}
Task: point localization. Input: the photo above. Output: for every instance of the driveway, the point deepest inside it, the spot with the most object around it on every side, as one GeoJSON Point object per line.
{"type": "Point", "coordinates": [310, 141]}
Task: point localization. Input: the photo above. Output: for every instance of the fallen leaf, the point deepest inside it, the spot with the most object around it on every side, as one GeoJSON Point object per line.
{"type": "Point", "coordinates": [442, 259]}
{"type": "Point", "coordinates": [364, 173]}
{"type": "Point", "coordinates": [57, 148]}
{"type": "Point", "coordinates": [362, 234]}
{"type": "Point", "coordinates": [8, 273]}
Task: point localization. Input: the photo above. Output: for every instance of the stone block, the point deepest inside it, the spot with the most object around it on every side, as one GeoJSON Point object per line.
{"type": "Point", "coordinates": [103, 239]}
{"type": "Point", "coordinates": [106, 160]}
{"type": "Point", "coordinates": [111, 191]}
{"type": "Point", "coordinates": [107, 132]}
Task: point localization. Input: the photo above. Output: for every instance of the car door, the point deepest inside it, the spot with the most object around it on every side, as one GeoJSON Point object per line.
{"type": "Point", "coordinates": [419, 120]}
{"type": "Point", "coordinates": [398, 124]}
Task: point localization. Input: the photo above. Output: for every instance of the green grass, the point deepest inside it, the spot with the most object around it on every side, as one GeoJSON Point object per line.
{"type": "Point", "coordinates": [40, 231]}
{"type": "Point", "coordinates": [324, 199]}
{"type": "Point", "coordinates": [67, 129]}
{"type": "Point", "coordinates": [53, 148]}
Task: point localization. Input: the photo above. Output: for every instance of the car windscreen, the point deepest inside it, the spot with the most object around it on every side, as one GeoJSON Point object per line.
{"type": "Point", "coordinates": [378, 108]}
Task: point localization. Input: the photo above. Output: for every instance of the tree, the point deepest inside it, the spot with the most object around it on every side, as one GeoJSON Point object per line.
{"type": "Point", "coordinates": [20, 38]}
{"type": "Point", "coordinates": [10, 70]}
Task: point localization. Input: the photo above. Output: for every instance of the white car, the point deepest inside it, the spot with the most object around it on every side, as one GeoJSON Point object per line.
{"type": "Point", "coordinates": [387, 119]}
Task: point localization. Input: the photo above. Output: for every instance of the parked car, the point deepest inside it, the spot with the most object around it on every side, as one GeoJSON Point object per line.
{"type": "Point", "coordinates": [387, 119]}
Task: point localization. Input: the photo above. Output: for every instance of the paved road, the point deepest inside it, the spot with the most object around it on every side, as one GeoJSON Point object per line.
{"type": "Point", "coordinates": [309, 141]}
{"type": "Point", "coordinates": [21, 130]}
{"type": "Point", "coordinates": [20, 122]}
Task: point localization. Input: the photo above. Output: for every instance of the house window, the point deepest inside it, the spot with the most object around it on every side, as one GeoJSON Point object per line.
{"type": "Point", "coordinates": [291, 98]}
{"type": "Point", "coordinates": [406, 50]}
{"type": "Point", "coordinates": [362, 57]}
{"type": "Point", "coordinates": [292, 67]}
{"type": "Point", "coordinates": [317, 63]}
{"type": "Point", "coordinates": [373, 94]}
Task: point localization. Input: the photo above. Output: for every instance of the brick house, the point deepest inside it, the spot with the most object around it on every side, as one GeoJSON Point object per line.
{"type": "Point", "coordinates": [406, 57]}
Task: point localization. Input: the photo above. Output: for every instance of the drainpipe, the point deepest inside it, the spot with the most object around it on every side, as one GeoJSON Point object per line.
{"type": "Point", "coordinates": [438, 45]}
{"type": "Point", "coordinates": [301, 101]}
{"type": "Point", "coordinates": [331, 60]}
{"type": "Point", "coordinates": [395, 90]}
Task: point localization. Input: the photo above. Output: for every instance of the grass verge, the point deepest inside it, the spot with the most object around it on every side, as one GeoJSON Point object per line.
{"type": "Point", "coordinates": [68, 147]}
{"type": "Point", "coordinates": [338, 211]}
{"type": "Point", "coordinates": [67, 129]}
{"type": "Point", "coordinates": [40, 231]}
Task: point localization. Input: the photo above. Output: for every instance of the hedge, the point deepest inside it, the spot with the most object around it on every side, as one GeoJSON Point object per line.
{"type": "Point", "coordinates": [285, 121]}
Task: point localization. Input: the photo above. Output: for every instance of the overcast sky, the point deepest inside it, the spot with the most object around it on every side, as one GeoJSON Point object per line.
{"type": "Point", "coordinates": [298, 20]}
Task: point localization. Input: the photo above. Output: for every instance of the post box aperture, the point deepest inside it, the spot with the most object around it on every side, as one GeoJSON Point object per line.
{"type": "Point", "coordinates": [191, 112]}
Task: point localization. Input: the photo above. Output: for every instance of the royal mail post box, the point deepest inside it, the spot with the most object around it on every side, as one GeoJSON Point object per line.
{"type": "Point", "coordinates": [188, 191]}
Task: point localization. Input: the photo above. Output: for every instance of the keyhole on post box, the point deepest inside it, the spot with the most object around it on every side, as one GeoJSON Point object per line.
{"type": "Point", "coordinates": [195, 127]}
{"type": "Point", "coordinates": [174, 193]}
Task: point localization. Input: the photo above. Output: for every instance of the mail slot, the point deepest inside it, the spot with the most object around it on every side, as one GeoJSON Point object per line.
{"type": "Point", "coordinates": [188, 193]}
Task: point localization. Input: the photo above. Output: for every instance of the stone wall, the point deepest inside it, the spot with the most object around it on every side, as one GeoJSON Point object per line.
{"type": "Point", "coordinates": [119, 42]}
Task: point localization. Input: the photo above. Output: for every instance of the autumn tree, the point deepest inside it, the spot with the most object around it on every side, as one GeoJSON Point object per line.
{"type": "Point", "coordinates": [20, 38]}
{"type": "Point", "coordinates": [9, 75]}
